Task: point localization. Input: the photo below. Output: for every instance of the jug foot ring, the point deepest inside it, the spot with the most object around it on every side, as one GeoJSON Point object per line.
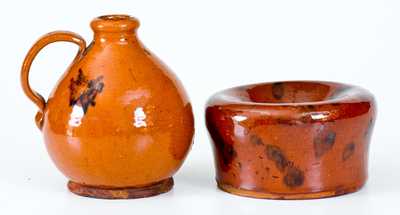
{"type": "Point", "coordinates": [286, 196]}
{"type": "Point", "coordinates": [121, 193]}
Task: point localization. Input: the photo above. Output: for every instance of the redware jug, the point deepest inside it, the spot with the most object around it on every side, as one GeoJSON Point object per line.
{"type": "Point", "coordinates": [119, 123]}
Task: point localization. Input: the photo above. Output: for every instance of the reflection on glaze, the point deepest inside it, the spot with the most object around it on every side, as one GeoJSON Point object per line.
{"type": "Point", "coordinates": [239, 118]}
{"type": "Point", "coordinates": [324, 140]}
{"type": "Point", "coordinates": [75, 119]}
{"type": "Point", "coordinates": [134, 95]}
{"type": "Point", "coordinates": [139, 118]}
{"type": "Point", "coordinates": [239, 130]}
{"type": "Point", "coordinates": [76, 116]}
{"type": "Point", "coordinates": [319, 115]}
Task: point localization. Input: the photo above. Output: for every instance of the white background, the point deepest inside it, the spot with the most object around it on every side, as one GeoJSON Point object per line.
{"type": "Point", "coordinates": [211, 45]}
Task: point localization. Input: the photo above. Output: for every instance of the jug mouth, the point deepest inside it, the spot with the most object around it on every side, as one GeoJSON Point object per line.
{"type": "Point", "coordinates": [293, 93]}
{"type": "Point", "coordinates": [114, 23]}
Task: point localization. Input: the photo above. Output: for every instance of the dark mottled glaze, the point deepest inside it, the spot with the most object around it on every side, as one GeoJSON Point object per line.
{"type": "Point", "coordinates": [348, 151]}
{"type": "Point", "coordinates": [323, 141]}
{"type": "Point", "coordinates": [294, 177]}
{"type": "Point", "coordinates": [83, 92]}
{"type": "Point", "coordinates": [291, 140]}
{"type": "Point", "coordinates": [276, 155]}
{"type": "Point", "coordinates": [278, 90]}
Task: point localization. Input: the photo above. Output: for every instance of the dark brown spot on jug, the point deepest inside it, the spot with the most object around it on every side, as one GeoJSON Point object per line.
{"type": "Point", "coordinates": [278, 90]}
{"type": "Point", "coordinates": [275, 154]}
{"type": "Point", "coordinates": [83, 92]}
{"type": "Point", "coordinates": [348, 151]}
{"type": "Point", "coordinates": [75, 85]}
{"type": "Point", "coordinates": [323, 141]}
{"type": "Point", "coordinates": [294, 177]}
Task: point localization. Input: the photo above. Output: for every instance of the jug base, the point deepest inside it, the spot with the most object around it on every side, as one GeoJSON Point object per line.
{"type": "Point", "coordinates": [287, 196]}
{"type": "Point", "coordinates": [121, 193]}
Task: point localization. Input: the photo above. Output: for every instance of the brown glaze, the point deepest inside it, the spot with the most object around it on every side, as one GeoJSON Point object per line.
{"type": "Point", "coordinates": [118, 118]}
{"type": "Point", "coordinates": [291, 140]}
{"type": "Point", "coordinates": [122, 193]}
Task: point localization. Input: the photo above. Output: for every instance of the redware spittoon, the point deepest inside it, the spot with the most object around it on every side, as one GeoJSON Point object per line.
{"type": "Point", "coordinates": [291, 140]}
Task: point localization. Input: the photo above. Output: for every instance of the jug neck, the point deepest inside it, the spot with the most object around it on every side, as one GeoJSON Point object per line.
{"type": "Point", "coordinates": [114, 28]}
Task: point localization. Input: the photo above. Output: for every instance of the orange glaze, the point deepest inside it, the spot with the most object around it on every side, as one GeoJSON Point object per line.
{"type": "Point", "coordinates": [118, 118]}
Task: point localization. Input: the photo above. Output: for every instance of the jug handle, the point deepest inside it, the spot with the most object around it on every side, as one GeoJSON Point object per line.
{"type": "Point", "coordinates": [56, 36]}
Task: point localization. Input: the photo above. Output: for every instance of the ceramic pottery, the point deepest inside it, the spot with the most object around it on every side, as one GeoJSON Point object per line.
{"type": "Point", "coordinates": [291, 140]}
{"type": "Point", "coordinates": [119, 123]}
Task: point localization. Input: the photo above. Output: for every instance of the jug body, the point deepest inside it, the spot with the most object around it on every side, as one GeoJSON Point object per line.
{"type": "Point", "coordinates": [119, 123]}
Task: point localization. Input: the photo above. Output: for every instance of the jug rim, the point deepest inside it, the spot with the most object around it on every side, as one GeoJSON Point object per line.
{"type": "Point", "coordinates": [114, 23]}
